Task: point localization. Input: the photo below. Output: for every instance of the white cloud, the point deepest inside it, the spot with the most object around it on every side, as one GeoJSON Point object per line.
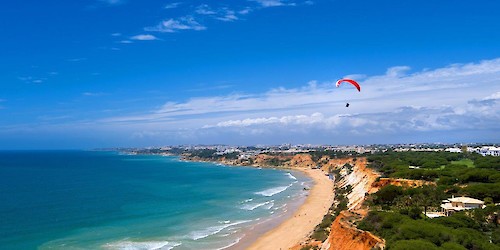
{"type": "Point", "coordinates": [144, 37]}
{"type": "Point", "coordinates": [222, 14]}
{"type": "Point", "coordinates": [204, 9]}
{"type": "Point", "coordinates": [173, 25]}
{"type": "Point", "coordinates": [172, 5]}
{"type": "Point", "coordinates": [125, 41]}
{"type": "Point", "coordinates": [92, 93]}
{"type": "Point", "coordinates": [460, 102]}
{"type": "Point", "coordinates": [105, 3]}
{"type": "Point", "coordinates": [116, 34]}
{"type": "Point", "coordinates": [397, 71]}
{"type": "Point", "coordinates": [30, 79]}
{"type": "Point", "coordinates": [77, 59]}
{"type": "Point", "coordinates": [112, 2]}
{"type": "Point", "coordinates": [272, 3]}
{"type": "Point", "coordinates": [453, 98]}
{"type": "Point", "coordinates": [227, 16]}
{"type": "Point", "coordinates": [494, 96]}
{"type": "Point", "coordinates": [245, 11]}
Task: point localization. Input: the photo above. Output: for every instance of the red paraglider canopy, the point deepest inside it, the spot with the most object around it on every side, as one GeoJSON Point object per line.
{"type": "Point", "coordinates": [349, 81]}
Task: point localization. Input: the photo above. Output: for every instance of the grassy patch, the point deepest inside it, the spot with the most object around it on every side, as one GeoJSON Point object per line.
{"type": "Point", "coordinates": [468, 162]}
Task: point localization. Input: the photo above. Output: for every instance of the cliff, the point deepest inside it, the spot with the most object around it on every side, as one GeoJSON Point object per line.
{"type": "Point", "coordinates": [345, 235]}
{"type": "Point", "coordinates": [343, 232]}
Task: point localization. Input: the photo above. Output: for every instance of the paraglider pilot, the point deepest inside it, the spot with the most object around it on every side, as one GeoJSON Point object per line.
{"type": "Point", "coordinates": [347, 105]}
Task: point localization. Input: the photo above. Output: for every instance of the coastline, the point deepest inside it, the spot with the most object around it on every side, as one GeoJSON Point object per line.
{"type": "Point", "coordinates": [298, 227]}
{"type": "Point", "coordinates": [293, 228]}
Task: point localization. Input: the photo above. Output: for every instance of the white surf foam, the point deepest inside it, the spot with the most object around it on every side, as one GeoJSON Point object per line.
{"type": "Point", "coordinates": [200, 234]}
{"type": "Point", "coordinates": [232, 243]}
{"type": "Point", "coordinates": [273, 191]}
{"type": "Point", "coordinates": [141, 245]}
{"type": "Point", "coordinates": [247, 200]}
{"type": "Point", "coordinates": [291, 176]}
{"type": "Point", "coordinates": [251, 207]}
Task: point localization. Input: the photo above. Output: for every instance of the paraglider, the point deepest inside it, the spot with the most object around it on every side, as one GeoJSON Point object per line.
{"type": "Point", "coordinates": [354, 83]}
{"type": "Point", "coordinates": [349, 81]}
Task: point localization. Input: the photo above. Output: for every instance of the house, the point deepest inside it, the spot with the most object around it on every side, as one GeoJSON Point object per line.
{"type": "Point", "coordinates": [453, 150]}
{"type": "Point", "coordinates": [493, 151]}
{"type": "Point", "coordinates": [457, 204]}
{"type": "Point", "coordinates": [486, 150]}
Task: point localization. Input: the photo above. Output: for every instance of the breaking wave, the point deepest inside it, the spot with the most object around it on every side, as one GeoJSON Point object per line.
{"type": "Point", "coordinates": [273, 191]}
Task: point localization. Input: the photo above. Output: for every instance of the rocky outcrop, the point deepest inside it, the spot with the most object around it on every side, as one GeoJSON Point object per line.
{"type": "Point", "coordinates": [345, 235]}
{"type": "Point", "coordinates": [361, 180]}
{"type": "Point", "coordinates": [301, 161]}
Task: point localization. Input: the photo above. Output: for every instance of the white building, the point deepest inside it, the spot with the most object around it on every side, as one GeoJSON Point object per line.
{"type": "Point", "coordinates": [493, 151]}
{"type": "Point", "coordinates": [453, 150]}
{"type": "Point", "coordinates": [457, 204]}
{"type": "Point", "coordinates": [486, 150]}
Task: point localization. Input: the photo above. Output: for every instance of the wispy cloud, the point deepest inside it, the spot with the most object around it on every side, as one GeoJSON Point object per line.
{"type": "Point", "coordinates": [204, 9]}
{"type": "Point", "coordinates": [77, 59]}
{"type": "Point", "coordinates": [223, 14]}
{"type": "Point", "coordinates": [112, 2]}
{"type": "Point", "coordinates": [453, 98]}
{"type": "Point", "coordinates": [245, 11]}
{"type": "Point", "coordinates": [172, 5]}
{"type": "Point", "coordinates": [116, 34]}
{"type": "Point", "coordinates": [227, 15]}
{"type": "Point", "coordinates": [30, 79]}
{"type": "Point", "coordinates": [144, 37]}
{"type": "Point", "coordinates": [125, 41]}
{"type": "Point", "coordinates": [272, 3]}
{"type": "Point", "coordinates": [92, 93]}
{"type": "Point", "coordinates": [172, 25]}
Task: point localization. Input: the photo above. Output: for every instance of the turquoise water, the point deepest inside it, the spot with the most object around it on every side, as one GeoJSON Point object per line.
{"type": "Point", "coordinates": [105, 200]}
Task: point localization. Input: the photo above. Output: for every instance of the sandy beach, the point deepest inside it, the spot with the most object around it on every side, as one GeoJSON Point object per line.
{"type": "Point", "coordinates": [302, 223]}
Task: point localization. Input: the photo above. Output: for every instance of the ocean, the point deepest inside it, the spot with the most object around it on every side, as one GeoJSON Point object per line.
{"type": "Point", "coordinates": [108, 200]}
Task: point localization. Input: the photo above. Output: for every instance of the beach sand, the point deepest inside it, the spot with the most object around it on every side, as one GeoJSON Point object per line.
{"type": "Point", "coordinates": [298, 227]}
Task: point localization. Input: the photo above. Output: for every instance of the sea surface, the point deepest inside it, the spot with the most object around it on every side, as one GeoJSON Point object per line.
{"type": "Point", "coordinates": [108, 200]}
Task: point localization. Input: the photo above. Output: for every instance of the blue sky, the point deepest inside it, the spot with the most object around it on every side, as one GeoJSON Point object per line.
{"type": "Point", "coordinates": [104, 73]}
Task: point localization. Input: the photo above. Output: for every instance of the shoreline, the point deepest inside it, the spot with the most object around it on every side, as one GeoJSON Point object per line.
{"type": "Point", "coordinates": [292, 229]}
{"type": "Point", "coordinates": [297, 228]}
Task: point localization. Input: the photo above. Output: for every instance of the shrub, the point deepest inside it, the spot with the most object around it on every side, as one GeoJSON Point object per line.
{"type": "Point", "coordinates": [413, 244]}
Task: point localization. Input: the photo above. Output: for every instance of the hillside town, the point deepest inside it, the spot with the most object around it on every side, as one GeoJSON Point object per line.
{"type": "Point", "coordinates": [244, 152]}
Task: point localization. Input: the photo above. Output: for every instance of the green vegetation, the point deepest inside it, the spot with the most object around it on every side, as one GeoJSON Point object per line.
{"type": "Point", "coordinates": [322, 230]}
{"type": "Point", "coordinates": [457, 173]}
{"type": "Point", "coordinates": [318, 154]}
{"type": "Point", "coordinates": [467, 162]}
{"type": "Point", "coordinates": [403, 232]}
{"type": "Point", "coordinates": [397, 212]}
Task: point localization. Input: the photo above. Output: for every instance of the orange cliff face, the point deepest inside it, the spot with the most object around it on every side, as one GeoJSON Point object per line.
{"type": "Point", "coordinates": [343, 233]}
{"type": "Point", "coordinates": [302, 161]}
{"type": "Point", "coordinates": [345, 236]}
